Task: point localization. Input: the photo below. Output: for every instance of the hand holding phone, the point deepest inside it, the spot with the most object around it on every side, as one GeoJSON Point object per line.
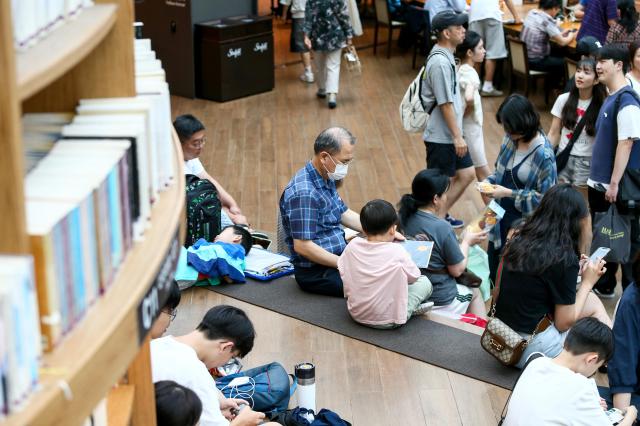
{"type": "Point", "coordinates": [600, 253]}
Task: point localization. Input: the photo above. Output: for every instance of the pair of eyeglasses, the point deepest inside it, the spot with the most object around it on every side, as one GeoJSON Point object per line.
{"type": "Point", "coordinates": [198, 143]}
{"type": "Point", "coordinates": [172, 313]}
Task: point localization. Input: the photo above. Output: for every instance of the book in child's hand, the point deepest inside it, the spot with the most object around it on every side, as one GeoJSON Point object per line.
{"type": "Point", "coordinates": [491, 215]}
{"type": "Point", "coordinates": [420, 251]}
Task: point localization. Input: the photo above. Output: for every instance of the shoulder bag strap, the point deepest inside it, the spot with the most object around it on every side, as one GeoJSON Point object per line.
{"type": "Point", "coordinates": [577, 131]}
{"type": "Point", "coordinates": [496, 289]}
{"type": "Point", "coordinates": [503, 415]}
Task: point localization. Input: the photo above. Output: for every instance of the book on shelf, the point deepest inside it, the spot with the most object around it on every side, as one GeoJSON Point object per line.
{"type": "Point", "coordinates": [33, 20]}
{"type": "Point", "coordinates": [20, 349]}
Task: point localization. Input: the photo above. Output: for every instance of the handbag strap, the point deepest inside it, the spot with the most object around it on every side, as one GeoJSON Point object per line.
{"type": "Point", "coordinates": [496, 289]}
{"type": "Point", "coordinates": [578, 129]}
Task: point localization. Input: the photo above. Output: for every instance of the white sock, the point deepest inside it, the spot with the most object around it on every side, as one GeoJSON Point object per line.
{"type": "Point", "coordinates": [308, 70]}
{"type": "Point", "coordinates": [487, 86]}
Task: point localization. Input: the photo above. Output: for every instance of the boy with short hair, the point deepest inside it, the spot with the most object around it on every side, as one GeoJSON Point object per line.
{"type": "Point", "coordinates": [224, 332]}
{"type": "Point", "coordinates": [168, 312]}
{"type": "Point", "coordinates": [560, 391]}
{"type": "Point", "coordinates": [382, 284]}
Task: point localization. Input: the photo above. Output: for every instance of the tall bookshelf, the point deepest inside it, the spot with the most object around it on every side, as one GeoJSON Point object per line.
{"type": "Point", "coordinates": [89, 57]}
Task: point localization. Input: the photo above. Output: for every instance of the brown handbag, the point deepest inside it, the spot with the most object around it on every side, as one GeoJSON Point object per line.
{"type": "Point", "coordinates": [500, 340]}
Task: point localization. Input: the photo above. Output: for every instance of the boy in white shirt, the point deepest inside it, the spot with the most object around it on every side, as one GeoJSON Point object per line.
{"type": "Point", "coordinates": [223, 333]}
{"type": "Point", "coordinates": [560, 391]}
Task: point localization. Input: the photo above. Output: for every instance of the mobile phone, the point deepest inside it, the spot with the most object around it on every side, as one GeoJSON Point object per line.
{"type": "Point", "coordinates": [615, 416]}
{"type": "Point", "coordinates": [600, 253]}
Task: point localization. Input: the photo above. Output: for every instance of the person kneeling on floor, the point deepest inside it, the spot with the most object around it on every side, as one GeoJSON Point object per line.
{"type": "Point", "coordinates": [559, 390]}
{"type": "Point", "coordinates": [223, 333]}
{"type": "Point", "coordinates": [375, 273]}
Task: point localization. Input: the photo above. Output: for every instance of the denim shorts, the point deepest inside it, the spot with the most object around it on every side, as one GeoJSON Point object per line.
{"type": "Point", "coordinates": [576, 172]}
{"type": "Point", "coordinates": [549, 342]}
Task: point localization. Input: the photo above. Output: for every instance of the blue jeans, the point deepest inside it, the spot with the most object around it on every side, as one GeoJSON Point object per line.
{"type": "Point", "coordinates": [549, 342]}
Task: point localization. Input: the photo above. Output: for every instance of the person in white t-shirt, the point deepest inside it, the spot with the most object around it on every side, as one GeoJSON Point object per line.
{"type": "Point", "coordinates": [223, 333]}
{"type": "Point", "coordinates": [485, 18]}
{"type": "Point", "coordinates": [192, 139]}
{"type": "Point", "coordinates": [582, 102]}
{"type": "Point", "coordinates": [560, 391]}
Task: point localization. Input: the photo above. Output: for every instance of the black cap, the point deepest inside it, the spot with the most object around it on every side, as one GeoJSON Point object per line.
{"type": "Point", "coordinates": [588, 46]}
{"type": "Point", "coordinates": [447, 18]}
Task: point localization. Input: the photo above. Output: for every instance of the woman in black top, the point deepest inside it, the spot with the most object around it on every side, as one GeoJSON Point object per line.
{"type": "Point", "coordinates": [541, 264]}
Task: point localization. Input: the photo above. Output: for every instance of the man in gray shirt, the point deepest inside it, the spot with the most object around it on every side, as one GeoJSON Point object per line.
{"type": "Point", "coordinates": [446, 149]}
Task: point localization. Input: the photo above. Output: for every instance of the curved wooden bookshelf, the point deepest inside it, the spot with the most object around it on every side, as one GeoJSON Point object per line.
{"type": "Point", "coordinates": [63, 49]}
{"type": "Point", "coordinates": [99, 349]}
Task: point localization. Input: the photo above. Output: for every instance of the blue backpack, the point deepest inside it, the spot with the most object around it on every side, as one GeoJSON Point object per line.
{"type": "Point", "coordinates": [268, 392]}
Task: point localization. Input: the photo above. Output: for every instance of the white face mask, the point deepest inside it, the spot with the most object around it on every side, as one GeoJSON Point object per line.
{"type": "Point", "coordinates": [340, 172]}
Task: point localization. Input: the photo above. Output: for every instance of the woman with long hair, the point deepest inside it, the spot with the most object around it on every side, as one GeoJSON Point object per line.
{"type": "Point", "coordinates": [626, 29]}
{"type": "Point", "coordinates": [633, 76]}
{"type": "Point", "coordinates": [525, 170]}
{"type": "Point", "coordinates": [582, 102]}
{"type": "Point", "coordinates": [422, 216]}
{"type": "Point", "coordinates": [540, 267]}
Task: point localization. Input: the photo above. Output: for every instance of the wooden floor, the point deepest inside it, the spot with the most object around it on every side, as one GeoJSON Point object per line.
{"type": "Point", "coordinates": [254, 146]}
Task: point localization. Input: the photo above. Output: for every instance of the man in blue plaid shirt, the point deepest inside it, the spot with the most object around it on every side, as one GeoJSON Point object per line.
{"type": "Point", "coordinates": [312, 213]}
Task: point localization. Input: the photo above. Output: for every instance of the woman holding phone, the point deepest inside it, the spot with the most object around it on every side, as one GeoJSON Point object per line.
{"type": "Point", "coordinates": [540, 267]}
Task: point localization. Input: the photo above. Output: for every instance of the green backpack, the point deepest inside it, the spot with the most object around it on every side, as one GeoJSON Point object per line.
{"type": "Point", "coordinates": [203, 210]}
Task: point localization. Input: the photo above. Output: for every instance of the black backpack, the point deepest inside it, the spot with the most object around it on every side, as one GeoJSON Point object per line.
{"type": "Point", "coordinates": [203, 210]}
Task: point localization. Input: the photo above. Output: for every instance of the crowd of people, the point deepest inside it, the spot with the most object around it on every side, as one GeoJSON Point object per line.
{"type": "Point", "coordinates": [547, 289]}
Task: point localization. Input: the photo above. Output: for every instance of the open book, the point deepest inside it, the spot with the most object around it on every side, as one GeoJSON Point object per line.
{"type": "Point", "coordinates": [420, 251]}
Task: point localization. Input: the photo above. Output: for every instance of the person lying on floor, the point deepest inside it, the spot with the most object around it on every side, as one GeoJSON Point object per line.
{"type": "Point", "coordinates": [223, 333]}
{"type": "Point", "coordinates": [223, 259]}
{"type": "Point", "coordinates": [382, 284]}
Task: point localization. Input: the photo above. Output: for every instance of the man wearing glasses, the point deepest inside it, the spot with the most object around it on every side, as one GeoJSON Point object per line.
{"type": "Point", "coordinates": [312, 213]}
{"type": "Point", "coordinates": [192, 139]}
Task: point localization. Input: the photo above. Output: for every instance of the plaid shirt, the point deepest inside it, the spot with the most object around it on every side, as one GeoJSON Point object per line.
{"type": "Point", "coordinates": [538, 27]}
{"type": "Point", "coordinates": [618, 35]}
{"type": "Point", "coordinates": [311, 209]}
{"type": "Point", "coordinates": [543, 175]}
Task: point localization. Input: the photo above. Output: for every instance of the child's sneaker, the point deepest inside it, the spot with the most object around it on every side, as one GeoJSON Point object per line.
{"type": "Point", "coordinates": [423, 308]}
{"type": "Point", "coordinates": [307, 76]}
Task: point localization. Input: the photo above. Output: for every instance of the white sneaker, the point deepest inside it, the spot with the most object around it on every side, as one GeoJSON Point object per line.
{"type": "Point", "coordinates": [423, 308]}
{"type": "Point", "coordinates": [307, 77]}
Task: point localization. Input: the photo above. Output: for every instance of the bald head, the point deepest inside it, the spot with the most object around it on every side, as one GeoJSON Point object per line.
{"type": "Point", "coordinates": [332, 139]}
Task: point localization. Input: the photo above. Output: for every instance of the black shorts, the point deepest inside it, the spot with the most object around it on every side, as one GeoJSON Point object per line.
{"type": "Point", "coordinates": [443, 156]}
{"type": "Point", "coordinates": [297, 36]}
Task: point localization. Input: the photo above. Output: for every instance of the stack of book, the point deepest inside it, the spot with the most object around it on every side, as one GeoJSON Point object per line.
{"type": "Point", "coordinates": [92, 178]}
{"type": "Point", "coordinates": [34, 19]}
{"type": "Point", "coordinates": [20, 348]}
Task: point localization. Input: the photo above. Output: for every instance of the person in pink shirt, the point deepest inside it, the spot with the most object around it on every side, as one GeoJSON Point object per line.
{"type": "Point", "coordinates": [383, 286]}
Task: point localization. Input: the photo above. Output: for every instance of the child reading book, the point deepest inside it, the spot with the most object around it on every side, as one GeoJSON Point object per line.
{"type": "Point", "coordinates": [383, 286]}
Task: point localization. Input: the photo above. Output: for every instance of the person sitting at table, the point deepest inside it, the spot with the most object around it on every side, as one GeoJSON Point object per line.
{"type": "Point", "coordinates": [538, 29]}
{"type": "Point", "coordinates": [436, 6]}
{"type": "Point", "coordinates": [599, 15]}
{"type": "Point", "coordinates": [626, 29]}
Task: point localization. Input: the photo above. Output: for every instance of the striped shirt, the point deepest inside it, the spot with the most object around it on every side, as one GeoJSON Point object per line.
{"type": "Point", "coordinates": [596, 14]}
{"type": "Point", "coordinates": [538, 27]}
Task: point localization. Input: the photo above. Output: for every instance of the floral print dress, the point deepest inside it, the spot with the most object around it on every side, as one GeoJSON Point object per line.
{"type": "Point", "coordinates": [327, 24]}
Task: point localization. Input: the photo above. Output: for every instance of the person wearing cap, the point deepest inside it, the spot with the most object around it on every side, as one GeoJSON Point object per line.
{"type": "Point", "coordinates": [599, 15]}
{"type": "Point", "coordinates": [611, 157]}
{"type": "Point", "coordinates": [585, 48]}
{"type": "Point", "coordinates": [485, 18]}
{"type": "Point", "coordinates": [446, 149]}
{"type": "Point", "coordinates": [436, 6]}
{"type": "Point", "coordinates": [539, 28]}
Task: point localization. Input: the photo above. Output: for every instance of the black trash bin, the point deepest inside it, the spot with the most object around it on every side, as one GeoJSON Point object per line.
{"type": "Point", "coordinates": [234, 57]}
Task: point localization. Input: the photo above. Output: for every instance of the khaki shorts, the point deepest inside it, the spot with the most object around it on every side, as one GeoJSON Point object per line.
{"type": "Point", "coordinates": [492, 34]}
